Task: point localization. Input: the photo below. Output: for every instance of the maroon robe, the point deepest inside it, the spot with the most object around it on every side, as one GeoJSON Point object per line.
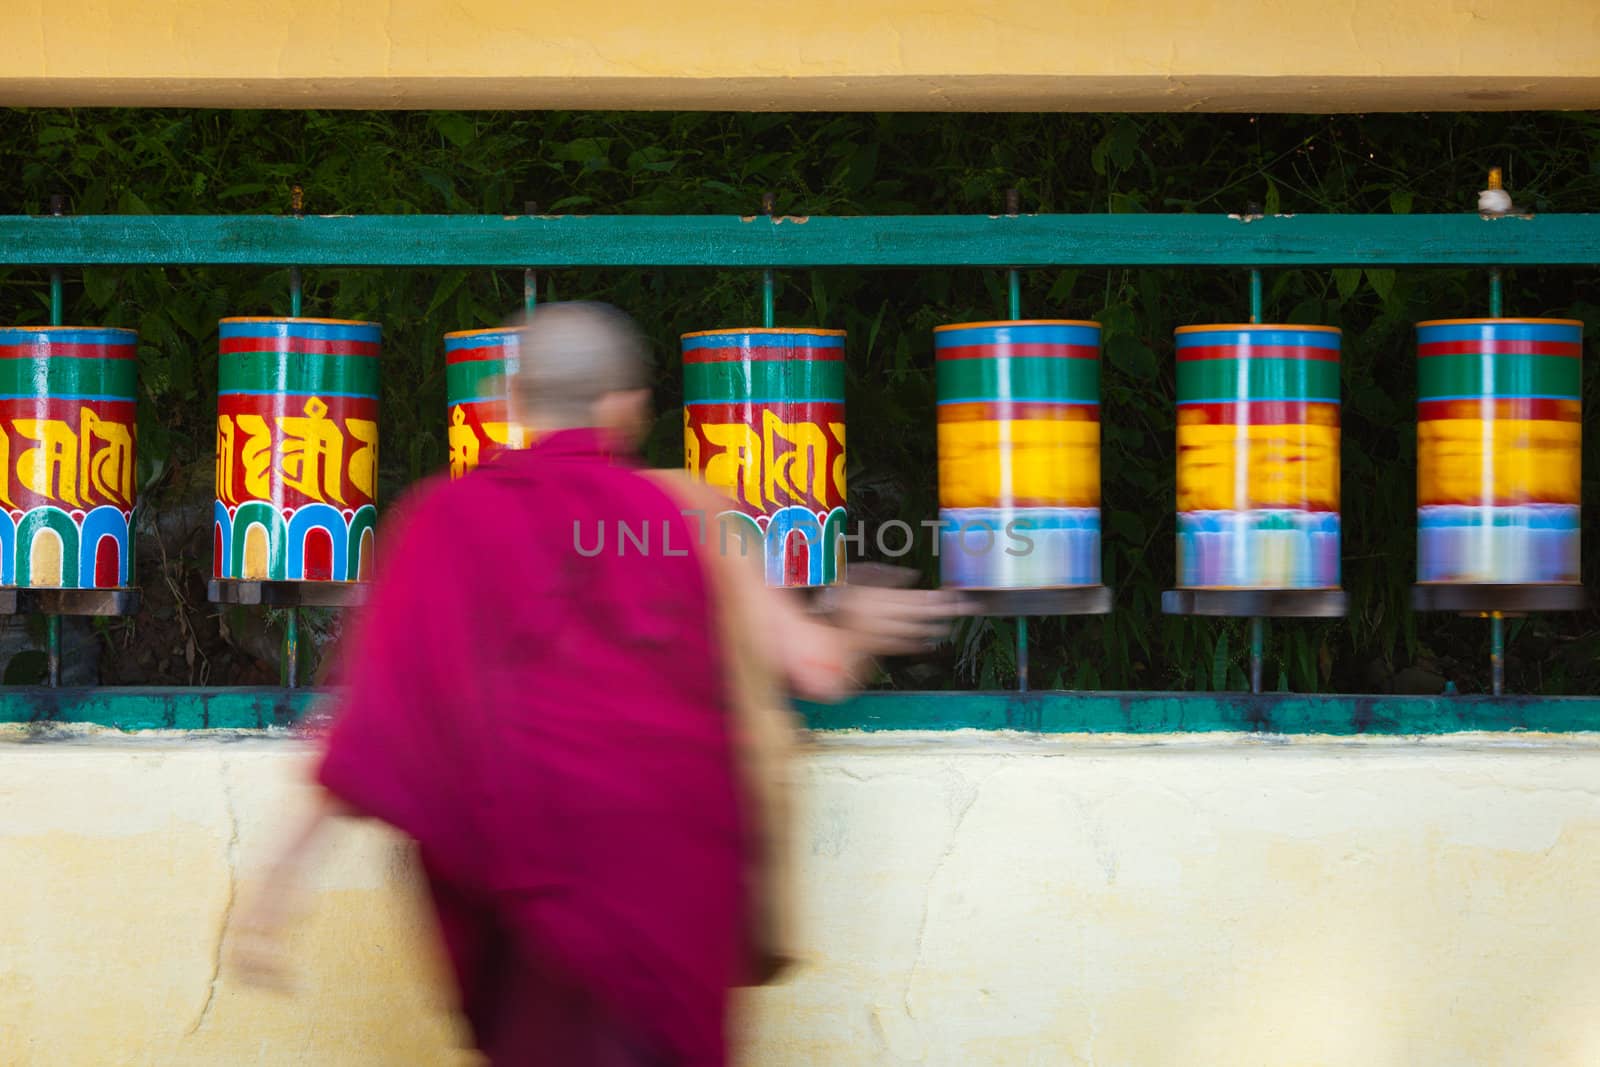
{"type": "Point", "coordinates": [551, 727]}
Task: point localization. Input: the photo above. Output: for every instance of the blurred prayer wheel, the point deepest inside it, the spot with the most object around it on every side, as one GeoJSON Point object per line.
{"type": "Point", "coordinates": [1499, 464]}
{"type": "Point", "coordinates": [1258, 471]}
{"type": "Point", "coordinates": [297, 452]}
{"type": "Point", "coordinates": [763, 422]}
{"type": "Point", "coordinates": [67, 453]}
{"type": "Point", "coordinates": [477, 366]}
{"type": "Point", "coordinates": [1019, 464]}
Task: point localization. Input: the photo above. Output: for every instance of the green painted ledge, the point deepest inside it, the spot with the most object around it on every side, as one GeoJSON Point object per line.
{"type": "Point", "coordinates": [1163, 240]}
{"type": "Point", "coordinates": [1034, 712]}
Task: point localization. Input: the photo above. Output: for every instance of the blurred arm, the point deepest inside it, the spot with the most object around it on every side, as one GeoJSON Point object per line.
{"type": "Point", "coordinates": [826, 657]}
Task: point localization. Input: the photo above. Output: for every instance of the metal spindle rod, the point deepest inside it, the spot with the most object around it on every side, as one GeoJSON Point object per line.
{"type": "Point", "coordinates": [291, 649]}
{"type": "Point", "coordinates": [1014, 306]}
{"type": "Point", "coordinates": [291, 625]}
{"type": "Point", "coordinates": [1258, 626]}
{"type": "Point", "coordinates": [768, 308]}
{"type": "Point", "coordinates": [1497, 625]}
{"type": "Point", "coordinates": [530, 277]}
{"type": "Point", "coordinates": [52, 623]}
{"type": "Point", "coordinates": [1258, 650]}
{"type": "Point", "coordinates": [1497, 653]}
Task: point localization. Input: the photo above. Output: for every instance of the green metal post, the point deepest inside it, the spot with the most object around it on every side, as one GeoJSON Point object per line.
{"type": "Point", "coordinates": [52, 623]}
{"type": "Point", "coordinates": [291, 626]}
{"type": "Point", "coordinates": [768, 309]}
{"type": "Point", "coordinates": [1497, 623]}
{"type": "Point", "coordinates": [1258, 626]}
{"type": "Point", "coordinates": [1258, 651]}
{"type": "Point", "coordinates": [1497, 653]}
{"type": "Point", "coordinates": [1014, 293]}
{"type": "Point", "coordinates": [530, 277]}
{"type": "Point", "coordinates": [297, 206]}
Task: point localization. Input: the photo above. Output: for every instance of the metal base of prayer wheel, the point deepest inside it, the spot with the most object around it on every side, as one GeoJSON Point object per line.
{"type": "Point", "coordinates": [1477, 599]}
{"type": "Point", "coordinates": [1256, 603]}
{"type": "Point", "coordinates": [1048, 600]}
{"type": "Point", "coordinates": [103, 602]}
{"type": "Point", "coordinates": [288, 594]}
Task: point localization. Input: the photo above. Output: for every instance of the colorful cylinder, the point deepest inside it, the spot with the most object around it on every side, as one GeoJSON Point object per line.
{"type": "Point", "coordinates": [763, 421]}
{"type": "Point", "coordinates": [297, 450]}
{"type": "Point", "coordinates": [477, 366]}
{"type": "Point", "coordinates": [1258, 457]}
{"type": "Point", "coordinates": [1019, 453]}
{"type": "Point", "coordinates": [1499, 436]}
{"type": "Point", "coordinates": [67, 452]}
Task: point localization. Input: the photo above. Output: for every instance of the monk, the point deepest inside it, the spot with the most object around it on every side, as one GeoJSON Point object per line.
{"type": "Point", "coordinates": [585, 765]}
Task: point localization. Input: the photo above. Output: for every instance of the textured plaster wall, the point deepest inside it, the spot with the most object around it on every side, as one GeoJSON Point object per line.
{"type": "Point", "coordinates": [1332, 55]}
{"type": "Point", "coordinates": [970, 899]}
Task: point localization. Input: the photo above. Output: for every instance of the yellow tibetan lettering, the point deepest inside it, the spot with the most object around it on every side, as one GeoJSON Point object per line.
{"type": "Point", "coordinates": [256, 455]}
{"type": "Point", "coordinates": [49, 469]}
{"type": "Point", "coordinates": [691, 446]}
{"type": "Point", "coordinates": [1529, 460]}
{"type": "Point", "coordinates": [463, 444]}
{"type": "Point", "coordinates": [364, 460]}
{"type": "Point", "coordinates": [508, 434]}
{"type": "Point", "coordinates": [1224, 467]}
{"type": "Point", "coordinates": [312, 453]}
{"type": "Point", "coordinates": [5, 465]}
{"type": "Point", "coordinates": [986, 463]}
{"type": "Point", "coordinates": [225, 459]}
{"type": "Point", "coordinates": [1537, 460]}
{"type": "Point", "coordinates": [796, 475]}
{"type": "Point", "coordinates": [738, 463]}
{"type": "Point", "coordinates": [837, 429]}
{"type": "Point", "coordinates": [106, 471]}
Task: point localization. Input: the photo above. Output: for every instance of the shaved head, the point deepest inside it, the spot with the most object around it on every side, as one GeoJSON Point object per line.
{"type": "Point", "coordinates": [571, 357]}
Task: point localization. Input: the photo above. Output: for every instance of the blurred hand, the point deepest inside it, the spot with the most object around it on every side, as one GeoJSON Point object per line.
{"type": "Point", "coordinates": [893, 622]}
{"type": "Point", "coordinates": [263, 918]}
{"type": "Point", "coordinates": [830, 654]}
{"type": "Point", "coordinates": [260, 928]}
{"type": "Point", "coordinates": [879, 617]}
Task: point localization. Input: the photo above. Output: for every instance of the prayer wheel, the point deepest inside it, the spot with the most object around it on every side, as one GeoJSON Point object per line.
{"type": "Point", "coordinates": [477, 365]}
{"type": "Point", "coordinates": [1019, 454]}
{"type": "Point", "coordinates": [67, 453]}
{"type": "Point", "coordinates": [1499, 436]}
{"type": "Point", "coordinates": [1258, 470]}
{"type": "Point", "coordinates": [297, 450]}
{"type": "Point", "coordinates": [763, 422]}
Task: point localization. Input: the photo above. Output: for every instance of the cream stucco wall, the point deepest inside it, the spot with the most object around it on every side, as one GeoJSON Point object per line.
{"type": "Point", "coordinates": [1164, 55]}
{"type": "Point", "coordinates": [971, 899]}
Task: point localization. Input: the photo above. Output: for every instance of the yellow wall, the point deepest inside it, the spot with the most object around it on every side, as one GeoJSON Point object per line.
{"type": "Point", "coordinates": [969, 899]}
{"type": "Point", "coordinates": [1166, 55]}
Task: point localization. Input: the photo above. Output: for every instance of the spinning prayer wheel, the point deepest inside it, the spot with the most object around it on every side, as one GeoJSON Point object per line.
{"type": "Point", "coordinates": [67, 457]}
{"type": "Point", "coordinates": [1258, 471]}
{"type": "Point", "coordinates": [478, 364]}
{"type": "Point", "coordinates": [1499, 441]}
{"type": "Point", "coordinates": [297, 451]}
{"type": "Point", "coordinates": [1019, 463]}
{"type": "Point", "coordinates": [763, 422]}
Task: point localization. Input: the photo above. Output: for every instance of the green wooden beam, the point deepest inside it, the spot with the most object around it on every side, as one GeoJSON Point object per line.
{"type": "Point", "coordinates": [867, 241]}
{"type": "Point", "coordinates": [1033, 712]}
{"type": "Point", "coordinates": [156, 708]}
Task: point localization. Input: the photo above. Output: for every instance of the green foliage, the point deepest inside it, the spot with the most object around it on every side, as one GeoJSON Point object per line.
{"type": "Point", "coordinates": [206, 161]}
